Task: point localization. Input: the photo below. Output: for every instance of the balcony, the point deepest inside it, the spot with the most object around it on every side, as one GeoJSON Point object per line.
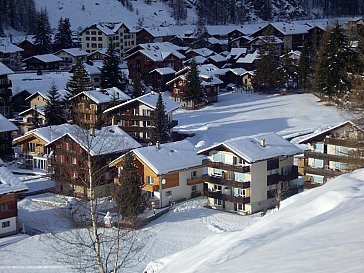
{"type": "Point", "coordinates": [150, 187]}
{"type": "Point", "coordinates": [321, 171]}
{"type": "Point", "coordinates": [136, 117]}
{"type": "Point", "coordinates": [344, 142]}
{"type": "Point", "coordinates": [273, 179]}
{"type": "Point", "coordinates": [194, 181]}
{"type": "Point", "coordinates": [290, 176]}
{"type": "Point", "coordinates": [222, 181]}
{"type": "Point", "coordinates": [135, 129]}
{"type": "Point", "coordinates": [225, 197]}
{"type": "Point", "coordinates": [88, 111]}
{"type": "Point", "coordinates": [336, 158]}
{"type": "Point", "coordinates": [226, 167]}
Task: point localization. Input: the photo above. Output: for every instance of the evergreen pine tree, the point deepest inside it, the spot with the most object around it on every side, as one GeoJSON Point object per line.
{"type": "Point", "coordinates": [80, 80]}
{"type": "Point", "coordinates": [137, 87]}
{"type": "Point", "coordinates": [331, 76]}
{"type": "Point", "coordinates": [128, 195]}
{"type": "Point", "coordinates": [42, 36]}
{"type": "Point", "coordinates": [54, 112]}
{"type": "Point", "coordinates": [63, 37]}
{"type": "Point", "coordinates": [193, 90]}
{"type": "Point", "coordinates": [304, 66]}
{"type": "Point", "coordinates": [267, 76]}
{"type": "Point", "coordinates": [288, 72]}
{"type": "Point", "coordinates": [35, 119]}
{"type": "Point", "coordinates": [159, 130]}
{"type": "Point", "coordinates": [110, 72]}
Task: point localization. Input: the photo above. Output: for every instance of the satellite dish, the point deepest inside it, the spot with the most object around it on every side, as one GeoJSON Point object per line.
{"type": "Point", "coordinates": [163, 181]}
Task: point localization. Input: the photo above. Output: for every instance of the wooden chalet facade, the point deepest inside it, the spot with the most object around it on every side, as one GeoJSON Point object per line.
{"type": "Point", "coordinates": [43, 62]}
{"type": "Point", "coordinates": [170, 172]}
{"type": "Point", "coordinates": [10, 187]}
{"type": "Point", "coordinates": [88, 106]}
{"type": "Point", "coordinates": [6, 129]}
{"type": "Point", "coordinates": [136, 116]}
{"type": "Point", "coordinates": [5, 89]}
{"type": "Point", "coordinates": [332, 152]}
{"type": "Point", "coordinates": [154, 34]}
{"type": "Point", "coordinates": [160, 76]}
{"type": "Point", "coordinates": [77, 154]}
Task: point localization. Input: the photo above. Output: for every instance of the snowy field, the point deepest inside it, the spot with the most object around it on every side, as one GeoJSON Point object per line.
{"type": "Point", "coordinates": [185, 226]}
{"type": "Point", "coordinates": [96, 11]}
{"type": "Point", "coordinates": [241, 114]}
{"type": "Point", "coordinates": [320, 230]}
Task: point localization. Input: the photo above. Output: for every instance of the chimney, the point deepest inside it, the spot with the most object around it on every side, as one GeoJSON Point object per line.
{"type": "Point", "coordinates": [157, 145]}
{"type": "Point", "coordinates": [92, 131]}
{"type": "Point", "coordinates": [262, 142]}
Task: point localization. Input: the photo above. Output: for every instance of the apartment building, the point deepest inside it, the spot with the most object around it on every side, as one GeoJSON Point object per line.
{"type": "Point", "coordinates": [244, 173]}
{"type": "Point", "coordinates": [102, 35]}
{"type": "Point", "coordinates": [332, 152]}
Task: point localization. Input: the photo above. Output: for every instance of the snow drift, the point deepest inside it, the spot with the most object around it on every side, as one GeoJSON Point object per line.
{"type": "Point", "coordinates": [320, 230]}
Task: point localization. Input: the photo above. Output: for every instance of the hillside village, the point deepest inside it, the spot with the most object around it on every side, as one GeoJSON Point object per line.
{"type": "Point", "coordinates": [122, 125]}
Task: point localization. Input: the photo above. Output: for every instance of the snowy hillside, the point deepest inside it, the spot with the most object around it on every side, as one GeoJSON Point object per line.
{"type": "Point", "coordinates": [320, 230]}
{"type": "Point", "coordinates": [83, 13]}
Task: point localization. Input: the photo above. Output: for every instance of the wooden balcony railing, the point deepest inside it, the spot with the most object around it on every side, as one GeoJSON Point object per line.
{"type": "Point", "coordinates": [290, 176]}
{"type": "Point", "coordinates": [222, 181]}
{"type": "Point", "coordinates": [322, 171]}
{"type": "Point", "coordinates": [194, 181]}
{"type": "Point", "coordinates": [226, 197]}
{"type": "Point", "coordinates": [136, 117]}
{"type": "Point", "coordinates": [226, 167]}
{"type": "Point", "coordinates": [336, 158]}
{"type": "Point", "coordinates": [344, 142]}
{"type": "Point", "coordinates": [135, 129]}
{"type": "Point", "coordinates": [151, 187]}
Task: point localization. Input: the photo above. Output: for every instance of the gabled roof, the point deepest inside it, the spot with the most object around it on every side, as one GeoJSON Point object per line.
{"type": "Point", "coordinates": [170, 157]}
{"type": "Point", "coordinates": [214, 41]}
{"type": "Point", "coordinates": [268, 39]}
{"type": "Point", "coordinates": [94, 68]}
{"type": "Point", "coordinates": [6, 125]}
{"type": "Point", "coordinates": [290, 28]}
{"type": "Point", "coordinates": [164, 71]}
{"type": "Point", "coordinates": [4, 70]}
{"type": "Point", "coordinates": [75, 52]}
{"type": "Point", "coordinates": [101, 51]}
{"type": "Point", "coordinates": [217, 58]}
{"type": "Point", "coordinates": [205, 52]}
{"type": "Point", "coordinates": [45, 94]}
{"type": "Point", "coordinates": [46, 58]}
{"type": "Point", "coordinates": [250, 149]}
{"type": "Point", "coordinates": [49, 133]}
{"type": "Point", "coordinates": [249, 58]}
{"type": "Point", "coordinates": [236, 52]}
{"type": "Point", "coordinates": [238, 71]}
{"type": "Point", "coordinates": [110, 28]}
{"type": "Point", "coordinates": [39, 109]}
{"type": "Point", "coordinates": [100, 96]}
{"type": "Point", "coordinates": [156, 51]}
{"type": "Point", "coordinates": [322, 134]}
{"type": "Point", "coordinates": [150, 99]}
{"type": "Point", "coordinates": [9, 183]}
{"type": "Point", "coordinates": [158, 31]}
{"type": "Point", "coordinates": [7, 47]}
{"type": "Point", "coordinates": [108, 140]}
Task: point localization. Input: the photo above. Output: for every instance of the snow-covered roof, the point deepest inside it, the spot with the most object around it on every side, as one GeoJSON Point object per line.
{"type": "Point", "coordinates": [238, 71]}
{"type": "Point", "coordinates": [269, 39]}
{"type": "Point", "coordinates": [327, 131]}
{"type": "Point", "coordinates": [49, 133]}
{"type": "Point", "coordinates": [6, 125]}
{"type": "Point", "coordinates": [209, 80]}
{"type": "Point", "coordinates": [110, 28]}
{"type": "Point", "coordinates": [169, 157]}
{"type": "Point", "coordinates": [39, 109]}
{"type": "Point", "coordinates": [221, 30]}
{"type": "Point", "coordinates": [159, 31]}
{"type": "Point", "coordinates": [6, 47]}
{"type": "Point", "coordinates": [150, 99]}
{"type": "Point", "coordinates": [217, 58]}
{"type": "Point", "coordinates": [108, 140]}
{"type": "Point", "coordinates": [213, 41]}
{"type": "Point", "coordinates": [207, 69]}
{"type": "Point", "coordinates": [102, 51]}
{"type": "Point", "coordinates": [291, 28]}
{"type": "Point", "coordinates": [205, 52]}
{"type": "Point", "coordinates": [45, 94]}
{"type": "Point", "coordinates": [236, 52]}
{"type": "Point", "coordinates": [94, 68]}
{"type": "Point", "coordinates": [4, 70]}
{"type": "Point", "coordinates": [46, 58]}
{"type": "Point", "coordinates": [250, 149]}
{"type": "Point", "coordinates": [157, 51]}
{"type": "Point", "coordinates": [9, 183]}
{"type": "Point", "coordinates": [164, 70]}
{"type": "Point", "coordinates": [198, 59]}
{"type": "Point", "coordinates": [249, 58]}
{"type": "Point", "coordinates": [75, 52]}
{"type": "Point", "coordinates": [100, 96]}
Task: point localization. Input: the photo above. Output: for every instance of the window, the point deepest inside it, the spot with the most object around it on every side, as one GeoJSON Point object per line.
{"type": "Point", "coordinates": [193, 174]}
{"type": "Point", "coordinates": [194, 188]}
{"type": "Point", "coordinates": [4, 208]}
{"type": "Point", "coordinates": [150, 194]}
{"type": "Point", "coordinates": [217, 172]}
{"type": "Point", "coordinates": [239, 192]}
{"type": "Point", "coordinates": [99, 39]}
{"type": "Point", "coordinates": [217, 188]}
{"type": "Point", "coordinates": [217, 202]}
{"type": "Point", "coordinates": [67, 146]}
{"type": "Point", "coordinates": [87, 38]}
{"type": "Point", "coordinates": [31, 147]}
{"type": "Point", "coordinates": [93, 32]}
{"type": "Point", "coordinates": [150, 180]}
{"type": "Point", "coordinates": [5, 224]}
{"type": "Point", "coordinates": [168, 193]}
{"type": "Point", "coordinates": [218, 158]}
{"type": "Point", "coordinates": [146, 112]}
{"type": "Point", "coordinates": [74, 160]}
{"type": "Point", "coordinates": [93, 38]}
{"type": "Point", "coordinates": [237, 160]}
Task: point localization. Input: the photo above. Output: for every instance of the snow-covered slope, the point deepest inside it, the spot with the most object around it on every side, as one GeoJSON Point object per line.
{"type": "Point", "coordinates": [320, 230]}
{"type": "Point", "coordinates": [83, 13]}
